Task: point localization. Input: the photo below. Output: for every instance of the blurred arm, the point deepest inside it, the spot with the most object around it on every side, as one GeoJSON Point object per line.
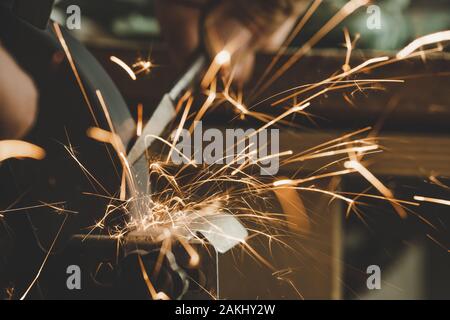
{"type": "Point", "coordinates": [265, 16]}
{"type": "Point", "coordinates": [240, 26]}
{"type": "Point", "coordinates": [18, 99]}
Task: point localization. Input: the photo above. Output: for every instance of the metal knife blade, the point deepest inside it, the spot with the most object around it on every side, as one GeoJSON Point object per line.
{"type": "Point", "coordinates": [165, 112]}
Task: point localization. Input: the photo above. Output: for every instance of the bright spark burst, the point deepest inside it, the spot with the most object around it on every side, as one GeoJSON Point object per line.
{"type": "Point", "coordinates": [142, 67]}
{"type": "Point", "coordinates": [222, 58]}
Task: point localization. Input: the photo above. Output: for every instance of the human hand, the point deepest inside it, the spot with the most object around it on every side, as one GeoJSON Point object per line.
{"type": "Point", "coordinates": [240, 27]}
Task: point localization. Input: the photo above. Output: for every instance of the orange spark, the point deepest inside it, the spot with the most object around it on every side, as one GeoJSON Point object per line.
{"type": "Point", "coordinates": [340, 16]}
{"type": "Point", "coordinates": [306, 16]}
{"type": "Point", "coordinates": [44, 261]}
{"type": "Point", "coordinates": [124, 66]}
{"type": "Point", "coordinates": [155, 295]}
{"type": "Point", "coordinates": [356, 165]}
{"type": "Point", "coordinates": [432, 200]}
{"type": "Point", "coordinates": [294, 209]}
{"type": "Point", "coordinates": [118, 143]}
{"type": "Point", "coordinates": [208, 102]}
{"type": "Point", "coordinates": [100, 135]}
{"type": "Point", "coordinates": [194, 259]}
{"type": "Point", "coordinates": [20, 149]}
{"type": "Point", "coordinates": [423, 41]}
{"type": "Point", "coordinates": [140, 108]}
{"type": "Point", "coordinates": [220, 60]}
{"type": "Point", "coordinates": [284, 182]}
{"type": "Point", "coordinates": [123, 187]}
{"type": "Point", "coordinates": [181, 125]}
{"type": "Point", "coordinates": [63, 43]}
{"type": "Point", "coordinates": [288, 182]}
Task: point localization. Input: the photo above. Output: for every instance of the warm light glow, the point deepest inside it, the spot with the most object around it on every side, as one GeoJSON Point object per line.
{"type": "Point", "coordinates": [223, 57]}
{"type": "Point", "coordinates": [100, 135]}
{"type": "Point", "coordinates": [285, 182]}
{"type": "Point", "coordinates": [171, 215]}
{"type": "Point", "coordinates": [140, 108]}
{"type": "Point", "coordinates": [20, 149]}
{"type": "Point", "coordinates": [142, 67]}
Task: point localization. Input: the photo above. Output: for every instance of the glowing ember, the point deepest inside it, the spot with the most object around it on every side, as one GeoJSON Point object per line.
{"type": "Point", "coordinates": [124, 66]}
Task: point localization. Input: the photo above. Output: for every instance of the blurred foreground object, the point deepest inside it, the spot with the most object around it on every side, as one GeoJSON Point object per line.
{"type": "Point", "coordinates": [20, 149]}
{"type": "Point", "coordinates": [240, 27]}
{"type": "Point", "coordinates": [18, 98]}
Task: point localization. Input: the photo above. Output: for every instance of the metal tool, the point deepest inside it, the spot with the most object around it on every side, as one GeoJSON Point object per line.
{"type": "Point", "coordinates": [138, 156]}
{"type": "Point", "coordinates": [165, 112]}
{"type": "Point", "coordinates": [22, 34]}
{"type": "Point", "coordinates": [231, 230]}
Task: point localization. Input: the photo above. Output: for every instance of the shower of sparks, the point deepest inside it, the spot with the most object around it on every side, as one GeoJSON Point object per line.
{"type": "Point", "coordinates": [341, 15]}
{"type": "Point", "coordinates": [432, 200]}
{"type": "Point", "coordinates": [170, 212]}
{"type": "Point", "coordinates": [124, 66]}
{"type": "Point", "coordinates": [189, 195]}
{"type": "Point", "coordinates": [20, 149]}
{"type": "Point", "coordinates": [306, 17]}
